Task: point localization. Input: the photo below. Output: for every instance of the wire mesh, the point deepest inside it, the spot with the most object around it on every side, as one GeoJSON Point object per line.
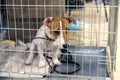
{"type": "Point", "coordinates": [92, 45]}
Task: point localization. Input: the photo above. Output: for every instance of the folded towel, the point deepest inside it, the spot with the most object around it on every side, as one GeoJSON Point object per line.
{"type": "Point", "coordinates": [79, 25]}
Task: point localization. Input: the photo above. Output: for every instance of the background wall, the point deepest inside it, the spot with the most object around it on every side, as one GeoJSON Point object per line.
{"type": "Point", "coordinates": [25, 15]}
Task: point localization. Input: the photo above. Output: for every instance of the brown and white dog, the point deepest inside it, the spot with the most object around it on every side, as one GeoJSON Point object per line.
{"type": "Point", "coordinates": [50, 37]}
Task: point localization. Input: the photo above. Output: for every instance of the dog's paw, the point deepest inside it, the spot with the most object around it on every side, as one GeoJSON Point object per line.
{"type": "Point", "coordinates": [41, 64]}
{"type": "Point", "coordinates": [28, 62]}
{"type": "Point", "coordinates": [57, 62]}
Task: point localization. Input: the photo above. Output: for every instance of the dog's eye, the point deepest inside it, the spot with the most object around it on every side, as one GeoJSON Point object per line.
{"type": "Point", "coordinates": [67, 29]}
{"type": "Point", "coordinates": [68, 20]}
{"type": "Point", "coordinates": [57, 32]}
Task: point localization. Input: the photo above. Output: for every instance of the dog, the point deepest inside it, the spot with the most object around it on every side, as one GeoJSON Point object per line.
{"type": "Point", "coordinates": [50, 37]}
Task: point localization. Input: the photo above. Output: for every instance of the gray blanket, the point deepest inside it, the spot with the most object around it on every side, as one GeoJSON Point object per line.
{"type": "Point", "coordinates": [12, 60]}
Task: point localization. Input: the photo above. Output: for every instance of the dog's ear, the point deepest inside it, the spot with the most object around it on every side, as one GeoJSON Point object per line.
{"type": "Point", "coordinates": [70, 19]}
{"type": "Point", "coordinates": [47, 20]}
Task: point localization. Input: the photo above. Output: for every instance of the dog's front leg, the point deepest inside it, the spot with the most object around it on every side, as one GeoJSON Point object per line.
{"type": "Point", "coordinates": [31, 55]}
{"type": "Point", "coordinates": [42, 61]}
{"type": "Point", "coordinates": [55, 57]}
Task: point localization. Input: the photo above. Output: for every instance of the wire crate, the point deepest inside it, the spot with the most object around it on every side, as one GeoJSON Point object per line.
{"type": "Point", "coordinates": [92, 47]}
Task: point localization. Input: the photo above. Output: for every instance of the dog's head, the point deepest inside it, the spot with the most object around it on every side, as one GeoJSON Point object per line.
{"type": "Point", "coordinates": [58, 28]}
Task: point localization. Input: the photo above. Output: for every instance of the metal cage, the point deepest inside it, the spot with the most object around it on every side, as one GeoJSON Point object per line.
{"type": "Point", "coordinates": [92, 46]}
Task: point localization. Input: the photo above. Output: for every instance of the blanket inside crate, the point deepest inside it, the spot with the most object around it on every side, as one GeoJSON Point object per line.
{"type": "Point", "coordinates": [12, 60]}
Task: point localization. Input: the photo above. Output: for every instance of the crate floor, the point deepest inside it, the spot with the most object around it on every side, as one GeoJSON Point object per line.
{"type": "Point", "coordinates": [92, 61]}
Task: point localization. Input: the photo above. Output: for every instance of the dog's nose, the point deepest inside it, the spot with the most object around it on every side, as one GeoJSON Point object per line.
{"type": "Point", "coordinates": [65, 45]}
